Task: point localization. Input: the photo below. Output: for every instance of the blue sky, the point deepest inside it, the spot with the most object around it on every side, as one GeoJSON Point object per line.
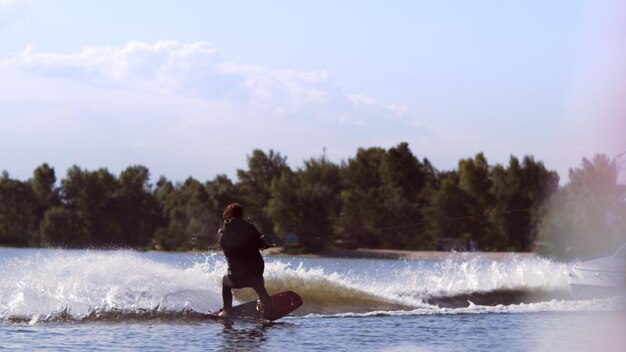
{"type": "Point", "coordinates": [191, 88]}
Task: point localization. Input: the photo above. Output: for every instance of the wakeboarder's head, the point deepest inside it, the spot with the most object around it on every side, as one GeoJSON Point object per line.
{"type": "Point", "coordinates": [232, 211]}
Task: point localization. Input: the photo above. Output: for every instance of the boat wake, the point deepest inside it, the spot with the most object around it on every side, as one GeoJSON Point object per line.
{"type": "Point", "coordinates": [500, 297]}
{"type": "Point", "coordinates": [123, 286]}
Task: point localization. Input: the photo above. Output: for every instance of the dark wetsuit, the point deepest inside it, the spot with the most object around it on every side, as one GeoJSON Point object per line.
{"type": "Point", "coordinates": [241, 242]}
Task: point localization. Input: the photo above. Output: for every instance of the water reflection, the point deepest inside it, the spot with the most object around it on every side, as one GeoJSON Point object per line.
{"type": "Point", "coordinates": [243, 336]}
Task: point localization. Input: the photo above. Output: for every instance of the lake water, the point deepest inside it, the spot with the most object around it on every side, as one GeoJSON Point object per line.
{"type": "Point", "coordinates": [124, 300]}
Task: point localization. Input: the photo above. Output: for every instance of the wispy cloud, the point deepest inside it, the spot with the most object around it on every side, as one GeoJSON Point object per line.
{"type": "Point", "coordinates": [364, 100]}
{"type": "Point", "coordinates": [281, 90]}
{"type": "Point", "coordinates": [163, 100]}
{"type": "Point", "coordinates": [165, 63]}
{"type": "Point", "coordinates": [189, 70]}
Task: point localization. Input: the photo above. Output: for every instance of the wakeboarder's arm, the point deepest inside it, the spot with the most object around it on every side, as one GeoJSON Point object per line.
{"type": "Point", "coordinates": [260, 239]}
{"type": "Point", "coordinates": [264, 244]}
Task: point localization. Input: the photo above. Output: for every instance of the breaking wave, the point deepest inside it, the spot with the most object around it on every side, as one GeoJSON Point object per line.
{"type": "Point", "coordinates": [61, 285]}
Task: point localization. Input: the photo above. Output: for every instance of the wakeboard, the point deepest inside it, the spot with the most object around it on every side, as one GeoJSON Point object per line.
{"type": "Point", "coordinates": [284, 302]}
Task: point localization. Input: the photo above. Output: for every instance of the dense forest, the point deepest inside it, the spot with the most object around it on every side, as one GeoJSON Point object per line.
{"type": "Point", "coordinates": [377, 199]}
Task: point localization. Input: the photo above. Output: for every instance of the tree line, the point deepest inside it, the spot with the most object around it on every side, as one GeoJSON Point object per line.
{"type": "Point", "coordinates": [380, 198]}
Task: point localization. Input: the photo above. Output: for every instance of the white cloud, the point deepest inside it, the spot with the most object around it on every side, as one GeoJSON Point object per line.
{"type": "Point", "coordinates": [164, 64]}
{"type": "Point", "coordinates": [177, 107]}
{"type": "Point", "coordinates": [177, 70]}
{"type": "Point", "coordinates": [281, 90]}
{"type": "Point", "coordinates": [369, 102]}
{"type": "Point", "coordinates": [193, 70]}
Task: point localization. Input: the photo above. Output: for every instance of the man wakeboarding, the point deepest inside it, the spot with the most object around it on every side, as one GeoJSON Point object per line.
{"type": "Point", "coordinates": [241, 243]}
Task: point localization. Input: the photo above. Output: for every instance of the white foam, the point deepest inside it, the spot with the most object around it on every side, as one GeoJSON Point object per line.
{"type": "Point", "coordinates": [78, 283]}
{"type": "Point", "coordinates": [452, 277]}
{"type": "Point", "coordinates": [410, 283]}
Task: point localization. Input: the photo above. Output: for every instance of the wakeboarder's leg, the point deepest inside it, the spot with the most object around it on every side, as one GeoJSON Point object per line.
{"type": "Point", "coordinates": [264, 297]}
{"type": "Point", "coordinates": [227, 295]}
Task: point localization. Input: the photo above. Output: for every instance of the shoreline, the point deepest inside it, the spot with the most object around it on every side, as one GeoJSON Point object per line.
{"type": "Point", "coordinates": [359, 253]}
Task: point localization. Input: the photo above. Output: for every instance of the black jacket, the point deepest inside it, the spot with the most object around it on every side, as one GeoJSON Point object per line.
{"type": "Point", "coordinates": [241, 242]}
